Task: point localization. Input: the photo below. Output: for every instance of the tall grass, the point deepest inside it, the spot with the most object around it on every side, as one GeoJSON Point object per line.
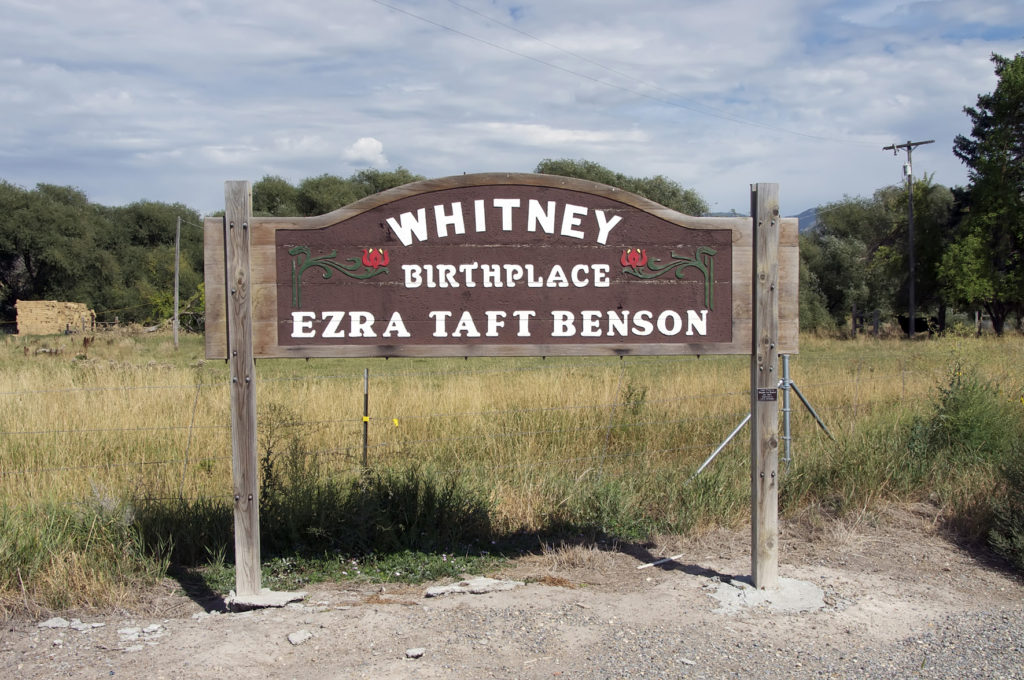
{"type": "Point", "coordinates": [460, 452]}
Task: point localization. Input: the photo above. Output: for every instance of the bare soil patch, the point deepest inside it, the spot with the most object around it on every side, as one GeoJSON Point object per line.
{"type": "Point", "coordinates": [901, 600]}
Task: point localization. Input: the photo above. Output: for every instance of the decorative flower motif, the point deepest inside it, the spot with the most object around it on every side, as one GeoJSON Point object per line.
{"type": "Point", "coordinates": [375, 258]}
{"type": "Point", "coordinates": [634, 257]}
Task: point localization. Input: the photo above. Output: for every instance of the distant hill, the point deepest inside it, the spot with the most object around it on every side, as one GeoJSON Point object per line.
{"type": "Point", "coordinates": [808, 219]}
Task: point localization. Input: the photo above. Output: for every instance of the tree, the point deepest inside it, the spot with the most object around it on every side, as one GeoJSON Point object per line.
{"type": "Point", "coordinates": [319, 195]}
{"type": "Point", "coordinates": [659, 189]}
{"type": "Point", "coordinates": [55, 244]}
{"type": "Point", "coordinates": [986, 263]}
{"type": "Point", "coordinates": [274, 196]}
{"type": "Point", "coordinates": [858, 250]}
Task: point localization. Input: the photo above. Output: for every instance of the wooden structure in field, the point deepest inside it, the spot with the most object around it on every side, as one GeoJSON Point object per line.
{"type": "Point", "coordinates": [501, 265]}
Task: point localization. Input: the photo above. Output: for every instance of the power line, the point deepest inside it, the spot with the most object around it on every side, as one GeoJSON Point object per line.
{"type": "Point", "coordinates": [704, 110]}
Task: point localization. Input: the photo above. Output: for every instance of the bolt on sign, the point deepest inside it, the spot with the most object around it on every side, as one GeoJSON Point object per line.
{"type": "Point", "coordinates": [499, 265]}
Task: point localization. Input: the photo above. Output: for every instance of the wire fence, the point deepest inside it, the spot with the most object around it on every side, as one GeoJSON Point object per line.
{"type": "Point", "coordinates": [147, 433]}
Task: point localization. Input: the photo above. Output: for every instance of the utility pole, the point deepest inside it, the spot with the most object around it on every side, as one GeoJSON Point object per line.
{"type": "Point", "coordinates": [177, 269]}
{"type": "Point", "coordinates": [909, 171]}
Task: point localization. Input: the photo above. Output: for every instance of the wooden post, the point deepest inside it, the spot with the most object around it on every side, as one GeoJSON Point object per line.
{"type": "Point", "coordinates": [764, 405]}
{"type": "Point", "coordinates": [244, 455]}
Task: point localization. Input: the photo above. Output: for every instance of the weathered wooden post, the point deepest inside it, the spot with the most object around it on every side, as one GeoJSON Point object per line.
{"type": "Point", "coordinates": [764, 405]}
{"type": "Point", "coordinates": [244, 455]}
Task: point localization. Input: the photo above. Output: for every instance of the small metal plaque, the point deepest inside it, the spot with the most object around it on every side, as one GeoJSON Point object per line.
{"type": "Point", "coordinates": [767, 394]}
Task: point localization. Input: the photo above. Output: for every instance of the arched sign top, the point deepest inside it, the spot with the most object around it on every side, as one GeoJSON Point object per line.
{"type": "Point", "coordinates": [501, 265]}
{"type": "Point", "coordinates": [490, 179]}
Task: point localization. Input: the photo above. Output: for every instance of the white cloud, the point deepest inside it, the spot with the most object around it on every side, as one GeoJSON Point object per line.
{"type": "Point", "coordinates": [713, 95]}
{"type": "Point", "coordinates": [547, 136]}
{"type": "Point", "coordinates": [366, 151]}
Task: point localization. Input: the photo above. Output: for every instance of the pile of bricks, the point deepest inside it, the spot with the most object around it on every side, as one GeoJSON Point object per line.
{"type": "Point", "coordinates": [48, 317]}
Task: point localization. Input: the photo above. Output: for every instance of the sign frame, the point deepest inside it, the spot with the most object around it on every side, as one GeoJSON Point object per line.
{"type": "Point", "coordinates": [240, 254]}
{"type": "Point", "coordinates": [267, 288]}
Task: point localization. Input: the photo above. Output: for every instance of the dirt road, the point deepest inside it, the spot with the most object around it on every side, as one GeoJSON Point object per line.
{"type": "Point", "coordinates": [897, 600]}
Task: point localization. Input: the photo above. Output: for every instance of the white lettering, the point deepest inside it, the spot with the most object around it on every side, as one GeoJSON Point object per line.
{"type": "Point", "coordinates": [513, 273]}
{"type": "Point", "coordinates": [538, 216]}
{"type": "Point", "coordinates": [466, 325]}
{"type": "Point", "coordinates": [572, 217]}
{"type": "Point", "coordinates": [479, 215]}
{"type": "Point", "coordinates": [302, 325]}
{"type": "Point", "coordinates": [524, 316]}
{"type": "Point", "coordinates": [333, 324]}
{"type": "Point", "coordinates": [442, 221]}
{"type": "Point", "coordinates": [579, 275]}
{"type": "Point", "coordinates": [467, 271]}
{"type": "Point", "coordinates": [446, 276]}
{"type": "Point", "coordinates": [410, 226]}
{"type": "Point", "coordinates": [695, 323]}
{"type": "Point", "coordinates": [396, 327]}
{"type": "Point", "coordinates": [591, 323]}
{"type": "Point", "coordinates": [642, 323]}
{"type": "Point", "coordinates": [601, 275]}
{"type": "Point", "coordinates": [361, 325]}
{"type": "Point", "coordinates": [440, 321]}
{"type": "Point", "coordinates": [506, 205]}
{"type": "Point", "coordinates": [413, 275]}
{"type": "Point", "coordinates": [618, 323]}
{"type": "Point", "coordinates": [605, 226]}
{"type": "Point", "coordinates": [495, 320]}
{"type": "Point", "coordinates": [492, 275]}
{"type": "Point", "coordinates": [531, 280]}
{"type": "Point", "coordinates": [557, 278]}
{"type": "Point", "coordinates": [669, 322]}
{"type": "Point", "coordinates": [563, 324]}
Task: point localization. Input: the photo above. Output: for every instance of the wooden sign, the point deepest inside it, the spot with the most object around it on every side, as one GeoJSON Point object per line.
{"type": "Point", "coordinates": [499, 265]}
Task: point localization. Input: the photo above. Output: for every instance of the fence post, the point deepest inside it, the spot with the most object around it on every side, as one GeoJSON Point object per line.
{"type": "Point", "coordinates": [244, 454]}
{"type": "Point", "coordinates": [366, 414]}
{"type": "Point", "coordinates": [764, 405]}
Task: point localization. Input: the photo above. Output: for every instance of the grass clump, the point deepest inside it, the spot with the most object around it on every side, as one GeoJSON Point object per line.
{"type": "Point", "coordinates": [961, 452]}
{"type": "Point", "coordinates": [56, 557]}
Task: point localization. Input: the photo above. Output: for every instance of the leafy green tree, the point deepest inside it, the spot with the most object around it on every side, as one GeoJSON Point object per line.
{"type": "Point", "coordinates": [372, 181]}
{"type": "Point", "coordinates": [659, 189]}
{"type": "Point", "coordinates": [322, 194]}
{"type": "Point", "coordinates": [858, 252]}
{"type": "Point", "coordinates": [47, 239]}
{"type": "Point", "coordinates": [274, 196]}
{"type": "Point", "coordinates": [55, 244]}
{"type": "Point", "coordinates": [985, 265]}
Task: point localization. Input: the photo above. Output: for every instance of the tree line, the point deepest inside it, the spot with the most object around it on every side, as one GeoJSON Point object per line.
{"type": "Point", "coordinates": [56, 244]}
{"type": "Point", "coordinates": [968, 240]}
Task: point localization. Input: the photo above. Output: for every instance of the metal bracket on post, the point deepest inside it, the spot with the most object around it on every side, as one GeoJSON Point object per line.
{"type": "Point", "coordinates": [787, 434]}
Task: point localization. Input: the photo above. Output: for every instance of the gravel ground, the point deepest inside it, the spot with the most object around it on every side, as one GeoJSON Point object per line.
{"type": "Point", "coordinates": [898, 601]}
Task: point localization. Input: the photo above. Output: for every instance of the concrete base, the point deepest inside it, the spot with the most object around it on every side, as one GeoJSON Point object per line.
{"type": "Point", "coordinates": [792, 596]}
{"type": "Point", "coordinates": [265, 598]}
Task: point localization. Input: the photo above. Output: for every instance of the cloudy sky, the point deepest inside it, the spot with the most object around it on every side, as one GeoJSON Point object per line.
{"type": "Point", "coordinates": [135, 99]}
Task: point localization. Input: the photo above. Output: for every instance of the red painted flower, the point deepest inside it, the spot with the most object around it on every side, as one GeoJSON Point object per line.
{"type": "Point", "coordinates": [633, 258]}
{"type": "Point", "coordinates": [375, 258]}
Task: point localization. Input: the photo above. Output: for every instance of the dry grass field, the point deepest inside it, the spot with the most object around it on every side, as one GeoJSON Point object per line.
{"type": "Point", "coordinates": [581, 444]}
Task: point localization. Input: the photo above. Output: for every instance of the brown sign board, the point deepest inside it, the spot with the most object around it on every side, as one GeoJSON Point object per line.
{"type": "Point", "coordinates": [499, 265]}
